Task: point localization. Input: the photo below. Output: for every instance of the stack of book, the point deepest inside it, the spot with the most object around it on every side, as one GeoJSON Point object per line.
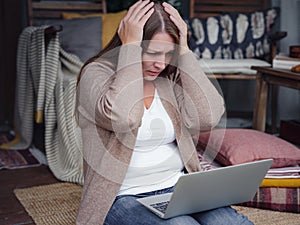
{"type": "Point", "coordinates": [283, 61]}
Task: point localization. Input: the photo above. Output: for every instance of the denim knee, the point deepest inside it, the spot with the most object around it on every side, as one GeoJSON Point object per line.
{"type": "Point", "coordinates": [222, 216]}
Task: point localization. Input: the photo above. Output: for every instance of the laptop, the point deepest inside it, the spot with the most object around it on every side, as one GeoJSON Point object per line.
{"type": "Point", "coordinates": [205, 190]}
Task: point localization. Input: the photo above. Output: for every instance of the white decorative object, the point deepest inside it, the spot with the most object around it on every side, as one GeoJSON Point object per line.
{"type": "Point", "coordinates": [212, 30]}
{"type": "Point", "coordinates": [206, 54]}
{"type": "Point", "coordinates": [242, 25]}
{"type": "Point", "coordinates": [257, 24]}
{"type": "Point", "coordinates": [259, 49]}
{"type": "Point", "coordinates": [250, 51]}
{"type": "Point", "coordinates": [198, 31]}
{"type": "Point", "coordinates": [227, 26]}
{"type": "Point", "coordinates": [238, 54]}
{"type": "Point", "coordinates": [227, 53]}
{"type": "Point", "coordinates": [218, 53]}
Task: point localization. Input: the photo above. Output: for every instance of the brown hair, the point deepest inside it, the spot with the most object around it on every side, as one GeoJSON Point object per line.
{"type": "Point", "coordinates": [159, 21]}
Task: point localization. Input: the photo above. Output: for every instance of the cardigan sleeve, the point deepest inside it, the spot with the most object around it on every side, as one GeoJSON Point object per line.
{"type": "Point", "coordinates": [200, 103]}
{"type": "Point", "coordinates": [112, 99]}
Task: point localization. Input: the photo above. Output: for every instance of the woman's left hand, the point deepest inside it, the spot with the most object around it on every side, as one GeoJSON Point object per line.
{"type": "Point", "coordinates": [180, 24]}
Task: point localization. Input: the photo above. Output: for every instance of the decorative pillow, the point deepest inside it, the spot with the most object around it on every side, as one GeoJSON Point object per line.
{"type": "Point", "coordinates": [235, 146]}
{"type": "Point", "coordinates": [110, 22]}
{"type": "Point", "coordinates": [81, 36]}
{"type": "Point", "coordinates": [211, 66]}
{"type": "Point", "coordinates": [232, 35]}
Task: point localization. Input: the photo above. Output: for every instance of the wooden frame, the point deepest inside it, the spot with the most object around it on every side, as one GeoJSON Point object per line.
{"type": "Point", "coordinates": [206, 8]}
{"type": "Point", "coordinates": [43, 10]}
{"type": "Point", "coordinates": [270, 78]}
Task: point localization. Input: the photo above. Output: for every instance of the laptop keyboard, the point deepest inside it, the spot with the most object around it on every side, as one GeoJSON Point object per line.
{"type": "Point", "coordinates": [161, 206]}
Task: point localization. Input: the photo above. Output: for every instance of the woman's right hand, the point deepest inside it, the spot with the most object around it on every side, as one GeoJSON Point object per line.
{"type": "Point", "coordinates": [131, 27]}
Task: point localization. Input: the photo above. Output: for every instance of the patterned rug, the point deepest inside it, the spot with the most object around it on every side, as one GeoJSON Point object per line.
{"type": "Point", "coordinates": [58, 204]}
{"type": "Point", "coordinates": [14, 159]}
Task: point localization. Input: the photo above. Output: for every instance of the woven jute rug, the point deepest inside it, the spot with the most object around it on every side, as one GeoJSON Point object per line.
{"type": "Point", "coordinates": [54, 204]}
{"type": "Point", "coordinates": [57, 204]}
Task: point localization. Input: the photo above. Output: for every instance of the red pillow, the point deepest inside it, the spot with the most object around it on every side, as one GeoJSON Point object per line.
{"type": "Point", "coordinates": [235, 146]}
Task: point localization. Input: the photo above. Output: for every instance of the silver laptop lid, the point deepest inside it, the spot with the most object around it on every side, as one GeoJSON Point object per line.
{"type": "Point", "coordinates": [215, 188]}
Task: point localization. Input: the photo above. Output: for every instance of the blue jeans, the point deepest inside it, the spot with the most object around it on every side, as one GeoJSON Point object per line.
{"type": "Point", "coordinates": [127, 211]}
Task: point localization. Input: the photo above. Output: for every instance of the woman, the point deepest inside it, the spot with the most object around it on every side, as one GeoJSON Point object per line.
{"type": "Point", "coordinates": [139, 103]}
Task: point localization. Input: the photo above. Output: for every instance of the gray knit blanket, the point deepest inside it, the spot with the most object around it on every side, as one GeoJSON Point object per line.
{"type": "Point", "coordinates": [45, 92]}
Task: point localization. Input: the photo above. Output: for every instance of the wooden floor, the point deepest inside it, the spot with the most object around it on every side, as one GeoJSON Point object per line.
{"type": "Point", "coordinates": [11, 210]}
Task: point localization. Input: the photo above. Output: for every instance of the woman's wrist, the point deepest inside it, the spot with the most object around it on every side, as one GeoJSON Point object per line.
{"type": "Point", "coordinates": [184, 50]}
{"type": "Point", "coordinates": [129, 54]}
{"type": "Point", "coordinates": [135, 43]}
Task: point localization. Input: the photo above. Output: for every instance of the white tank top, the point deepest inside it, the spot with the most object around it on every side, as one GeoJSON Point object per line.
{"type": "Point", "coordinates": [155, 163]}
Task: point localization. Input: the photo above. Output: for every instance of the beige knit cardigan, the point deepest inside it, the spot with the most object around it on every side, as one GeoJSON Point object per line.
{"type": "Point", "coordinates": [110, 109]}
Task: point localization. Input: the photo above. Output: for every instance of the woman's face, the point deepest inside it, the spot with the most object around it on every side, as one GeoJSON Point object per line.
{"type": "Point", "coordinates": [158, 55]}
